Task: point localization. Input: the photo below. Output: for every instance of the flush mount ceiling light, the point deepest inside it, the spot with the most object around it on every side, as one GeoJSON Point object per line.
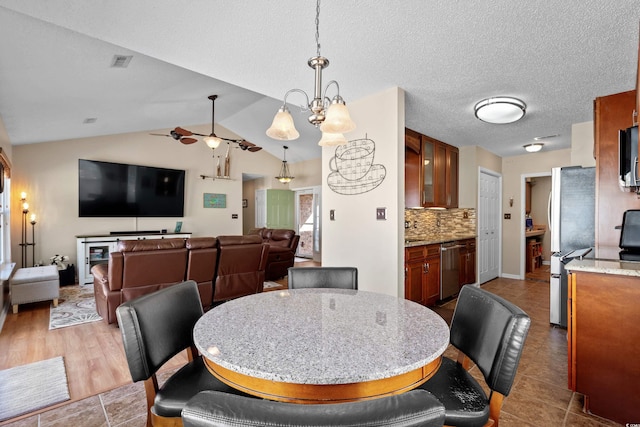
{"type": "Point", "coordinates": [500, 110]}
{"type": "Point", "coordinates": [284, 176]}
{"type": "Point", "coordinates": [330, 115]}
{"type": "Point", "coordinates": [533, 148]}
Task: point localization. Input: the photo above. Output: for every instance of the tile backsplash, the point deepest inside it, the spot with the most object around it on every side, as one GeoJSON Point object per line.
{"type": "Point", "coordinates": [433, 222]}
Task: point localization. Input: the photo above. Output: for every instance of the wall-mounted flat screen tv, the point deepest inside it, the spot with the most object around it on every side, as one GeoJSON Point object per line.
{"type": "Point", "coordinates": [121, 190]}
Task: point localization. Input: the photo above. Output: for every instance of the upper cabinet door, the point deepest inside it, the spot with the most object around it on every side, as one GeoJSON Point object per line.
{"type": "Point", "coordinates": [431, 172]}
{"type": "Point", "coordinates": [428, 172]}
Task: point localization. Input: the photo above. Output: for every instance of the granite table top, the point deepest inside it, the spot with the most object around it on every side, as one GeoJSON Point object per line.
{"type": "Point", "coordinates": [321, 336]}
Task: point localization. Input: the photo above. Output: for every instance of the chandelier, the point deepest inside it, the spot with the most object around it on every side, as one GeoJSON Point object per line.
{"type": "Point", "coordinates": [284, 176]}
{"type": "Point", "coordinates": [330, 115]}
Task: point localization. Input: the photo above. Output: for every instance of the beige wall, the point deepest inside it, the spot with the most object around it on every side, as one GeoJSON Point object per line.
{"type": "Point", "coordinates": [582, 141]}
{"type": "Point", "coordinates": [307, 174]}
{"type": "Point", "coordinates": [471, 159]}
{"type": "Point", "coordinates": [513, 171]}
{"type": "Point", "coordinates": [48, 172]}
{"type": "Point", "coordinates": [356, 238]}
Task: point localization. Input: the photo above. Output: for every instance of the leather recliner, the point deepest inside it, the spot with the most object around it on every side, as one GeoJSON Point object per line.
{"type": "Point", "coordinates": [283, 244]}
{"type": "Point", "coordinates": [138, 267]}
{"type": "Point", "coordinates": [241, 267]}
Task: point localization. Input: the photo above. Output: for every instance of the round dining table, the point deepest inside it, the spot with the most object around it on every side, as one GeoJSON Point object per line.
{"type": "Point", "coordinates": [321, 345]}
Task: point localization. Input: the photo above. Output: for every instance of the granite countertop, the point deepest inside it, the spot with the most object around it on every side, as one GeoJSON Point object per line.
{"type": "Point", "coordinates": [321, 336]}
{"type": "Point", "coordinates": [436, 238]}
{"type": "Point", "coordinates": [605, 266]}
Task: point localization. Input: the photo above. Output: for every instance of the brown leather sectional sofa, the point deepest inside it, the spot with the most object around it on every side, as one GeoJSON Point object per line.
{"type": "Point", "coordinates": [283, 244]}
{"type": "Point", "coordinates": [225, 267]}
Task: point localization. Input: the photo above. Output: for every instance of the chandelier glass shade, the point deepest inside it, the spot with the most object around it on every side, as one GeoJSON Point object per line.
{"type": "Point", "coordinates": [500, 110]}
{"type": "Point", "coordinates": [284, 176]}
{"type": "Point", "coordinates": [332, 139]}
{"type": "Point", "coordinates": [282, 127]}
{"type": "Point", "coordinates": [330, 115]}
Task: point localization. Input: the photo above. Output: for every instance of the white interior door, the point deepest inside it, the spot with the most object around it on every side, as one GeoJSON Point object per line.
{"type": "Point", "coordinates": [261, 208]}
{"type": "Point", "coordinates": [489, 240]}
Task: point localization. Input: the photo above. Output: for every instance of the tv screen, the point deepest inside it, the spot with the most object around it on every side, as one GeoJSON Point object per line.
{"type": "Point", "coordinates": [121, 190]}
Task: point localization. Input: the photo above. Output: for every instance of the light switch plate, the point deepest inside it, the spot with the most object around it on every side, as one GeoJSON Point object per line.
{"type": "Point", "coordinates": [507, 216]}
{"type": "Point", "coordinates": [332, 214]}
{"type": "Point", "coordinates": [381, 213]}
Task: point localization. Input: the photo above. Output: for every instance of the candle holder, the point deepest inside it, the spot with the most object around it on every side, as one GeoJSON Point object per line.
{"type": "Point", "coordinates": [24, 243]}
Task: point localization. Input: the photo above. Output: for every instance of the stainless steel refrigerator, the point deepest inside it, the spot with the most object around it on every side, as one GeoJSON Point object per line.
{"type": "Point", "coordinates": [572, 226]}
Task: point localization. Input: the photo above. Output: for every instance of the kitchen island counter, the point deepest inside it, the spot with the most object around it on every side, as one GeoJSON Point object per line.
{"type": "Point", "coordinates": [605, 266]}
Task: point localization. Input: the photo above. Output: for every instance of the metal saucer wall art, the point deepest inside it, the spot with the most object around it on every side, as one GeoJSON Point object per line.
{"type": "Point", "coordinates": [352, 168]}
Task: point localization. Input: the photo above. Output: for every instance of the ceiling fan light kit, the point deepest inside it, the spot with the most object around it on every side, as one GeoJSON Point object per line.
{"type": "Point", "coordinates": [534, 147]}
{"type": "Point", "coordinates": [500, 110]}
{"type": "Point", "coordinates": [330, 115]}
{"type": "Point", "coordinates": [284, 176]}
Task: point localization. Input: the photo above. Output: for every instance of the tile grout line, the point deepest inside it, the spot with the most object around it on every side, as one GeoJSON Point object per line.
{"type": "Point", "coordinates": [104, 410]}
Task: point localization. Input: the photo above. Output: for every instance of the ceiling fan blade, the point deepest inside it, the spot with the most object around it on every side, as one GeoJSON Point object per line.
{"type": "Point", "coordinates": [247, 143]}
{"type": "Point", "coordinates": [182, 132]}
{"type": "Point", "coordinates": [254, 149]}
{"type": "Point", "coordinates": [160, 134]}
{"type": "Point", "coordinates": [188, 140]}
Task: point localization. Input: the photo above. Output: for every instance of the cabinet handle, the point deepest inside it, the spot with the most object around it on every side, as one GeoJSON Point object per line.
{"type": "Point", "coordinates": [426, 267]}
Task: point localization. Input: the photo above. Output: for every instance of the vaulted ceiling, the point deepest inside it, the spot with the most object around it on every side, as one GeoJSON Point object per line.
{"type": "Point", "coordinates": [556, 55]}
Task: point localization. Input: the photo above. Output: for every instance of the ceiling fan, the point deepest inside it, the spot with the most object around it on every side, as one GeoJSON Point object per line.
{"type": "Point", "coordinates": [212, 140]}
{"type": "Point", "coordinates": [179, 134]}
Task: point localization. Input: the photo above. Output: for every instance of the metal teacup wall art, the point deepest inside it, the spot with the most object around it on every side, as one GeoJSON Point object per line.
{"type": "Point", "coordinates": [352, 168]}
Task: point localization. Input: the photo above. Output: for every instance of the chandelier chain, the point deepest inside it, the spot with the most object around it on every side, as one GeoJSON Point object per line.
{"type": "Point", "coordinates": [318, 27]}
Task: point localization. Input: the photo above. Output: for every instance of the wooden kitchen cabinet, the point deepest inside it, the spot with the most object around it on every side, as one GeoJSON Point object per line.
{"type": "Point", "coordinates": [603, 335]}
{"type": "Point", "coordinates": [467, 262]}
{"type": "Point", "coordinates": [422, 274]}
{"type": "Point", "coordinates": [611, 113]}
{"type": "Point", "coordinates": [431, 172]}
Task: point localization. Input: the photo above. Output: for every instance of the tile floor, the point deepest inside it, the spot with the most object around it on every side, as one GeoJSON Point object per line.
{"type": "Point", "coordinates": [539, 396]}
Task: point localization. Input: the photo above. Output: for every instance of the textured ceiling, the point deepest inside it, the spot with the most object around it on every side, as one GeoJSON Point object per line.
{"type": "Point", "coordinates": [556, 55]}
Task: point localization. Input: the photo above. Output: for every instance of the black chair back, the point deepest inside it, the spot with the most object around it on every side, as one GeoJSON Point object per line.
{"type": "Point", "coordinates": [491, 331]}
{"type": "Point", "coordinates": [323, 277]}
{"type": "Point", "coordinates": [411, 409]}
{"type": "Point", "coordinates": [157, 326]}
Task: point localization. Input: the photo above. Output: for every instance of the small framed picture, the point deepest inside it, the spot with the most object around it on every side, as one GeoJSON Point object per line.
{"type": "Point", "coordinates": [245, 203]}
{"type": "Point", "coordinates": [178, 226]}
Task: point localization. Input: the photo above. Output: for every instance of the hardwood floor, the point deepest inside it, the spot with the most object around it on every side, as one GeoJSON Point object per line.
{"type": "Point", "coordinates": [96, 363]}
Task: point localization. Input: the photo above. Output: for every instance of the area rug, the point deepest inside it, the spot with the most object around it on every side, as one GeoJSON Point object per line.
{"type": "Point", "coordinates": [27, 388]}
{"type": "Point", "coordinates": [76, 305]}
{"type": "Point", "coordinates": [269, 285]}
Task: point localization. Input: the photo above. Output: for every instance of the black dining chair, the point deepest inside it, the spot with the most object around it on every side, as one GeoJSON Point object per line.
{"type": "Point", "coordinates": [323, 277]}
{"type": "Point", "coordinates": [155, 327]}
{"type": "Point", "coordinates": [411, 409]}
{"type": "Point", "coordinates": [490, 332]}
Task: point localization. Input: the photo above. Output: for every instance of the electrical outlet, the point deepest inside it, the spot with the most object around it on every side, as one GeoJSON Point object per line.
{"type": "Point", "coordinates": [381, 213]}
{"type": "Point", "coordinates": [507, 216]}
{"type": "Point", "coordinates": [407, 224]}
{"type": "Point", "coordinates": [332, 214]}
{"type": "Point", "coordinates": [465, 215]}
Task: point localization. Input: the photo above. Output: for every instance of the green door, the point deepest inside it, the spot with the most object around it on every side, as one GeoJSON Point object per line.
{"type": "Point", "coordinates": [281, 209]}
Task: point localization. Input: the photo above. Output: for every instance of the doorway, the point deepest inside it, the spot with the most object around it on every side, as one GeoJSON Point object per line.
{"type": "Point", "coordinates": [489, 230]}
{"type": "Point", "coordinates": [535, 192]}
{"type": "Point", "coordinates": [308, 223]}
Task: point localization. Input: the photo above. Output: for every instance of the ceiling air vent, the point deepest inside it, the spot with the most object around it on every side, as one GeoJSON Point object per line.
{"type": "Point", "coordinates": [89, 120]}
{"type": "Point", "coordinates": [121, 61]}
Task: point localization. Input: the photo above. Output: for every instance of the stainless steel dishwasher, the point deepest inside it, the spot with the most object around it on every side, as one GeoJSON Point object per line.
{"type": "Point", "coordinates": [449, 269]}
